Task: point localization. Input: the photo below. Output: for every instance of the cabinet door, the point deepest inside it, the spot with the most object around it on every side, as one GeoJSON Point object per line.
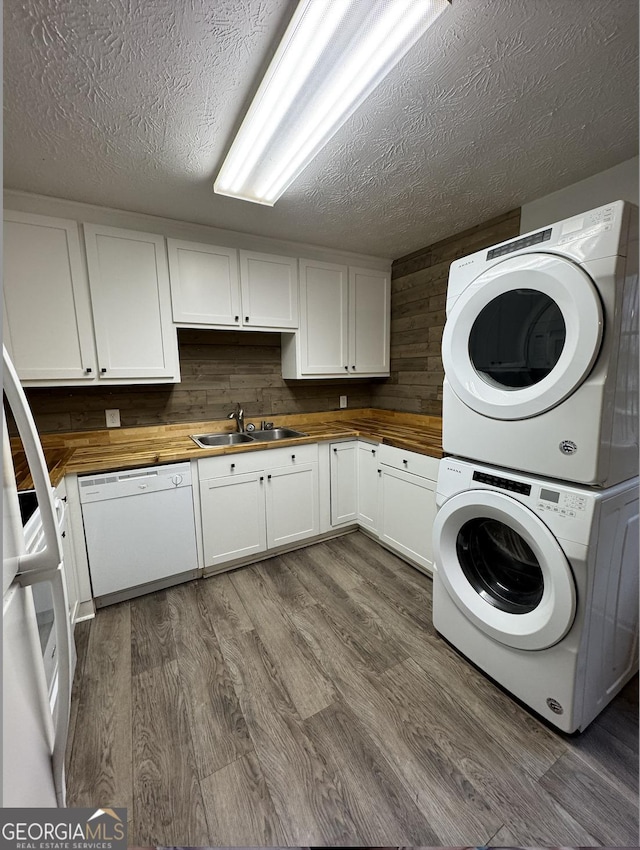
{"type": "Point", "coordinates": [407, 509]}
{"type": "Point", "coordinates": [47, 313]}
{"type": "Point", "coordinates": [233, 517]}
{"type": "Point", "coordinates": [205, 285]}
{"type": "Point", "coordinates": [292, 504]}
{"type": "Point", "coordinates": [344, 483]}
{"type": "Point", "coordinates": [129, 283]}
{"type": "Point", "coordinates": [269, 285]}
{"type": "Point", "coordinates": [324, 310]}
{"type": "Point", "coordinates": [368, 479]}
{"type": "Point", "coordinates": [369, 314]}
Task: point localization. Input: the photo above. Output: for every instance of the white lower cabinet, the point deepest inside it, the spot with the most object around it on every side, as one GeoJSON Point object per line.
{"type": "Point", "coordinates": [258, 501]}
{"type": "Point", "coordinates": [292, 504]}
{"type": "Point", "coordinates": [368, 484]}
{"type": "Point", "coordinates": [407, 504]}
{"type": "Point", "coordinates": [343, 459]}
{"type": "Point", "coordinates": [233, 517]}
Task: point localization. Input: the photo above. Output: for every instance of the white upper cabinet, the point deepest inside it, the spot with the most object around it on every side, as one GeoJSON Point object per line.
{"type": "Point", "coordinates": [344, 323]}
{"type": "Point", "coordinates": [47, 313]}
{"type": "Point", "coordinates": [217, 287]}
{"type": "Point", "coordinates": [369, 319]}
{"type": "Point", "coordinates": [129, 283]}
{"type": "Point", "coordinates": [205, 286]}
{"type": "Point", "coordinates": [106, 321]}
{"type": "Point", "coordinates": [324, 308]}
{"type": "Point", "coordinates": [269, 286]}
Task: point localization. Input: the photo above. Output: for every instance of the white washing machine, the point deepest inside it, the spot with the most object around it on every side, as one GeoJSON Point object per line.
{"type": "Point", "coordinates": [540, 351]}
{"type": "Point", "coordinates": [537, 584]}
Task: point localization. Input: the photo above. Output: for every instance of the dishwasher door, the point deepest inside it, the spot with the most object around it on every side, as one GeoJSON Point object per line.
{"type": "Point", "coordinates": [139, 526]}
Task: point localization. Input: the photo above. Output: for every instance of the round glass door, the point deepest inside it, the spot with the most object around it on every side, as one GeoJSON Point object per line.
{"type": "Point", "coordinates": [500, 565]}
{"type": "Point", "coordinates": [517, 339]}
{"type": "Point", "coordinates": [504, 569]}
{"type": "Point", "coordinates": [522, 336]}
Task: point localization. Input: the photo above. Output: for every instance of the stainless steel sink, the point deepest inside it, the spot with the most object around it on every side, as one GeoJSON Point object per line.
{"type": "Point", "coordinates": [206, 441]}
{"type": "Point", "coordinates": [276, 434]}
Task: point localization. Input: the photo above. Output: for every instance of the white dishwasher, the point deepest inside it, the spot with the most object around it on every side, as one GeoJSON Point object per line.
{"type": "Point", "coordinates": [139, 526]}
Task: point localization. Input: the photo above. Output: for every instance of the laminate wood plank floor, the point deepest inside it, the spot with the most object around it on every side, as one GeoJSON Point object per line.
{"type": "Point", "coordinates": [307, 700]}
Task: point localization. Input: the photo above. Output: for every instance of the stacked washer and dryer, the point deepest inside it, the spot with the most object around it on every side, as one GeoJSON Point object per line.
{"type": "Point", "coordinates": [536, 534]}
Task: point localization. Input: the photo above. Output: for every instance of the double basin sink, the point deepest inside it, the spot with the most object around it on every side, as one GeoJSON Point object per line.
{"type": "Point", "coordinates": [206, 441]}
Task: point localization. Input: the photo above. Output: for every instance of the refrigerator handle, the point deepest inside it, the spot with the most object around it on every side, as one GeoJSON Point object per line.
{"type": "Point", "coordinates": [50, 555]}
{"type": "Point", "coordinates": [63, 643]}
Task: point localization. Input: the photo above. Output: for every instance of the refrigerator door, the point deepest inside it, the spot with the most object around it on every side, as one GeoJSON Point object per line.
{"type": "Point", "coordinates": [27, 727]}
{"type": "Point", "coordinates": [22, 666]}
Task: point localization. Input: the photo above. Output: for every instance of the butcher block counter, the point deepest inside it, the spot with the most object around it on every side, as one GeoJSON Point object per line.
{"type": "Point", "coordinates": [100, 451]}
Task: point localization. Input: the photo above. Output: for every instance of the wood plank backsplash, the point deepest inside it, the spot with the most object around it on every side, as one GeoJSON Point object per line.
{"type": "Point", "coordinates": [219, 368]}
{"type": "Point", "coordinates": [418, 293]}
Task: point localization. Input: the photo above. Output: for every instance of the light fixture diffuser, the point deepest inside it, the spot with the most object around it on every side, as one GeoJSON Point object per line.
{"type": "Point", "coordinates": [333, 54]}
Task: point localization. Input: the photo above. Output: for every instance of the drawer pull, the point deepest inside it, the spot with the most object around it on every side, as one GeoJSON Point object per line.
{"type": "Point", "coordinates": [336, 451]}
{"type": "Point", "coordinates": [103, 371]}
{"type": "Point", "coordinates": [379, 472]}
{"type": "Point", "coordinates": [347, 368]}
{"type": "Point", "coordinates": [88, 370]}
{"type": "Point", "coordinates": [268, 478]}
{"type": "Point", "coordinates": [373, 452]}
{"type": "Point", "coordinates": [293, 457]}
{"type": "Point", "coordinates": [405, 461]}
{"type": "Point", "coordinates": [262, 478]}
{"type": "Point", "coordinates": [246, 318]}
{"type": "Point", "coordinates": [233, 466]}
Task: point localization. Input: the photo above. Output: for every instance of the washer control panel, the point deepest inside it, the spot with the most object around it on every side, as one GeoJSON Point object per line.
{"type": "Point", "coordinates": [564, 504]}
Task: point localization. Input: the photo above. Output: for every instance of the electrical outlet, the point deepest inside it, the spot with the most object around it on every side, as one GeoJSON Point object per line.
{"type": "Point", "coordinates": [113, 418]}
{"type": "Point", "coordinates": [343, 401]}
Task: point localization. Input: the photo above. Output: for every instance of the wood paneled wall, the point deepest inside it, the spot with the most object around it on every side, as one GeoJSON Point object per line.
{"type": "Point", "coordinates": [418, 292]}
{"type": "Point", "coordinates": [219, 368]}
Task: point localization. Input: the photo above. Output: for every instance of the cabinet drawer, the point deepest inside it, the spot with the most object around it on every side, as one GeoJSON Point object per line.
{"type": "Point", "coordinates": [418, 464]}
{"type": "Point", "coordinates": [238, 464]}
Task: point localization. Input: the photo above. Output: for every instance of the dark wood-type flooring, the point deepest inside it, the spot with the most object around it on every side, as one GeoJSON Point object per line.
{"type": "Point", "coordinates": [306, 700]}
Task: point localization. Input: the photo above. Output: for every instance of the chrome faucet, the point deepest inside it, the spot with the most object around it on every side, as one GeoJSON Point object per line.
{"type": "Point", "coordinates": [238, 415]}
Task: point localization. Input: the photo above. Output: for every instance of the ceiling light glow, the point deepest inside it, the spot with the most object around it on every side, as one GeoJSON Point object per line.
{"type": "Point", "coordinates": [333, 54]}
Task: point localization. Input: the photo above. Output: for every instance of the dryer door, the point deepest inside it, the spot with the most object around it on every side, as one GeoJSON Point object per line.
{"type": "Point", "coordinates": [522, 336]}
{"type": "Point", "coordinates": [504, 569]}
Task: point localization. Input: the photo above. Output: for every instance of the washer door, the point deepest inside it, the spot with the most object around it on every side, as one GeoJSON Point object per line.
{"type": "Point", "coordinates": [522, 336]}
{"type": "Point", "coordinates": [504, 569]}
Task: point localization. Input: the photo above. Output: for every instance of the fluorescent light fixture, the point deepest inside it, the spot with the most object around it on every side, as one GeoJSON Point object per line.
{"type": "Point", "coordinates": [332, 56]}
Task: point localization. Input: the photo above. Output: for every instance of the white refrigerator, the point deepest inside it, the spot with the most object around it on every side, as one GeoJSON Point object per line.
{"type": "Point", "coordinates": [34, 723]}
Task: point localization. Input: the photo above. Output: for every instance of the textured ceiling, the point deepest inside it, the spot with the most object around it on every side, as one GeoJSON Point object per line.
{"type": "Point", "coordinates": [131, 104]}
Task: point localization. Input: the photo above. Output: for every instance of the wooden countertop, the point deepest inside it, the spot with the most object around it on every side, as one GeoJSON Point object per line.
{"type": "Point", "coordinates": [101, 451]}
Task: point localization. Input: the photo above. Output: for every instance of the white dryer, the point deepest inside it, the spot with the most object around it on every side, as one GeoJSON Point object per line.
{"type": "Point", "coordinates": [540, 351]}
{"type": "Point", "coordinates": [537, 584]}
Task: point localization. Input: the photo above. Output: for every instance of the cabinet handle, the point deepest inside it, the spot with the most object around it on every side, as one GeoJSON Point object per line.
{"type": "Point", "coordinates": [354, 368]}
{"type": "Point", "coordinates": [373, 452]}
{"type": "Point", "coordinates": [237, 318]}
{"type": "Point", "coordinates": [379, 472]}
{"type": "Point", "coordinates": [336, 451]}
{"type": "Point", "coordinates": [64, 534]}
{"type": "Point", "coordinates": [293, 457]}
{"type": "Point", "coordinates": [246, 318]}
{"type": "Point", "coordinates": [233, 466]}
{"type": "Point", "coordinates": [88, 370]}
{"type": "Point", "coordinates": [347, 368]}
{"type": "Point", "coordinates": [405, 462]}
{"type": "Point", "coordinates": [103, 371]}
{"type": "Point", "coordinates": [268, 478]}
{"type": "Point", "coordinates": [262, 478]}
